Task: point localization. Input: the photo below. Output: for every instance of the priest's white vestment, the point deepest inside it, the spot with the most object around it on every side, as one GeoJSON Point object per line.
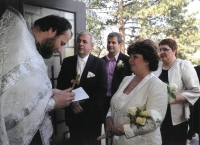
{"type": "Point", "coordinates": [25, 87]}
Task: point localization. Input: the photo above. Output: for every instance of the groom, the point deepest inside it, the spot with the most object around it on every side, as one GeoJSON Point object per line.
{"type": "Point", "coordinates": [84, 118]}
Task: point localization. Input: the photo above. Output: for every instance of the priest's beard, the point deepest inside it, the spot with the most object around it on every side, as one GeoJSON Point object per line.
{"type": "Point", "coordinates": [47, 47]}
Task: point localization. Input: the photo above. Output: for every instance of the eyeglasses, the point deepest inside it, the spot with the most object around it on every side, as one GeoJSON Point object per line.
{"type": "Point", "coordinates": [164, 49]}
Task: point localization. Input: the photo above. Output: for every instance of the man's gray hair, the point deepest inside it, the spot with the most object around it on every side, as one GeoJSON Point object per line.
{"type": "Point", "coordinates": [92, 40]}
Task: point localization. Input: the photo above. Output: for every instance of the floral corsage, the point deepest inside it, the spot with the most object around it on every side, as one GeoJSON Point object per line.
{"type": "Point", "coordinates": [171, 88]}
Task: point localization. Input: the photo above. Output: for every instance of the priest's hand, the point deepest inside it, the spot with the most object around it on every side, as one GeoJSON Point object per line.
{"type": "Point", "coordinates": [63, 98]}
{"type": "Point", "coordinates": [118, 130]}
{"type": "Point", "coordinates": [76, 107]}
{"type": "Point", "coordinates": [109, 124]}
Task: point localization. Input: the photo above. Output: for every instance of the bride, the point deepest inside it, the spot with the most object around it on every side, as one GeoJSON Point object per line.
{"type": "Point", "coordinates": [136, 90]}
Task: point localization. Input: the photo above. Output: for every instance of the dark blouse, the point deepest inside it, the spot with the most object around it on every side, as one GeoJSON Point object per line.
{"type": "Point", "coordinates": [164, 76]}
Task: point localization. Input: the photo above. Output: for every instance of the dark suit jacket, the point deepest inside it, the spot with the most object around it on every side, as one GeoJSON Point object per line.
{"type": "Point", "coordinates": [95, 87]}
{"type": "Point", "coordinates": [196, 108]}
{"type": "Point", "coordinates": [119, 73]}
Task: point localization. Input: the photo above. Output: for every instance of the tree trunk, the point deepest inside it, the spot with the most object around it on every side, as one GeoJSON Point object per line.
{"type": "Point", "coordinates": [121, 24]}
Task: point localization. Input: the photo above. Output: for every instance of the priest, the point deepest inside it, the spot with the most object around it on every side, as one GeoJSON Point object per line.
{"type": "Point", "coordinates": [26, 94]}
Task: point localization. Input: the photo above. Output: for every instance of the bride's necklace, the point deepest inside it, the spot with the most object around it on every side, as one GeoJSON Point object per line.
{"type": "Point", "coordinates": [134, 84]}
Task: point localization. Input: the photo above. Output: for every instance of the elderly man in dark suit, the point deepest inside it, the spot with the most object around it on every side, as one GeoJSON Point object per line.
{"type": "Point", "coordinates": [117, 65]}
{"type": "Point", "coordinates": [84, 118]}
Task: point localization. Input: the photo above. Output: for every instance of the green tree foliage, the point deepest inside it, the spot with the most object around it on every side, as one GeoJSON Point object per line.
{"type": "Point", "coordinates": [94, 24]}
{"type": "Point", "coordinates": [154, 19]}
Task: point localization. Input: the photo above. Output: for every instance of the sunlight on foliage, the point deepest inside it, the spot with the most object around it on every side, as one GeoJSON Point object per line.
{"type": "Point", "coordinates": [154, 19]}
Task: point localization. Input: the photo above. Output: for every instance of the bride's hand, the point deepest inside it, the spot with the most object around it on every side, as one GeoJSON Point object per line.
{"type": "Point", "coordinates": [118, 129]}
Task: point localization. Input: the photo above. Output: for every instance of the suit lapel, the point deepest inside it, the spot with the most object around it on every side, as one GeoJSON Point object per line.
{"type": "Point", "coordinates": [73, 67]}
{"type": "Point", "coordinates": [119, 58]}
{"type": "Point", "coordinates": [104, 58]}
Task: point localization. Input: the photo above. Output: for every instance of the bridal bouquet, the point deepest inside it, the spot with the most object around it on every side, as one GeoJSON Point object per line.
{"type": "Point", "coordinates": [171, 88]}
{"type": "Point", "coordinates": [138, 115]}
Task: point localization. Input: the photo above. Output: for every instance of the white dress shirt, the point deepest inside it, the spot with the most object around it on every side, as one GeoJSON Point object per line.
{"type": "Point", "coordinates": [81, 64]}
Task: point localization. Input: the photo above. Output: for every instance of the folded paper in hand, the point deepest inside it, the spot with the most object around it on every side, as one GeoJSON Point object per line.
{"type": "Point", "coordinates": [80, 94]}
{"type": "Point", "coordinates": [90, 74]}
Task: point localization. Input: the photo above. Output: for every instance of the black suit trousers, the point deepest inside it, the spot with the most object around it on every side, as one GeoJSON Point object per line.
{"type": "Point", "coordinates": [85, 134]}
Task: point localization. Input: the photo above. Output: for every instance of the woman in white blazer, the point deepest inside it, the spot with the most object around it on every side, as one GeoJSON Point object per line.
{"type": "Point", "coordinates": [182, 73]}
{"type": "Point", "coordinates": [136, 90]}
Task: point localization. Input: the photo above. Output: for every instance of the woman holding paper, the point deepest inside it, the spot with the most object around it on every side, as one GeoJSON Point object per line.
{"type": "Point", "coordinates": [182, 74]}
{"type": "Point", "coordinates": [140, 89]}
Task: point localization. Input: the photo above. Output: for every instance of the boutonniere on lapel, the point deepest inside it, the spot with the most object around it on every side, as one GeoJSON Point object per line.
{"type": "Point", "coordinates": [120, 64]}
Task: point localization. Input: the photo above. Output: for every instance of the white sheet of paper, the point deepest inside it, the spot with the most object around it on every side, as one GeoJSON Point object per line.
{"type": "Point", "coordinates": [80, 94]}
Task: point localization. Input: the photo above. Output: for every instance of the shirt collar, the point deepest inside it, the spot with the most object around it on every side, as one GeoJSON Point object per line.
{"type": "Point", "coordinates": [83, 59]}
{"type": "Point", "coordinates": [115, 57]}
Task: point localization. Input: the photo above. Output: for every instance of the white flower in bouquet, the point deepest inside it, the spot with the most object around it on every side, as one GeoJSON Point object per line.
{"type": "Point", "coordinates": [132, 110]}
{"type": "Point", "coordinates": [173, 87]}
